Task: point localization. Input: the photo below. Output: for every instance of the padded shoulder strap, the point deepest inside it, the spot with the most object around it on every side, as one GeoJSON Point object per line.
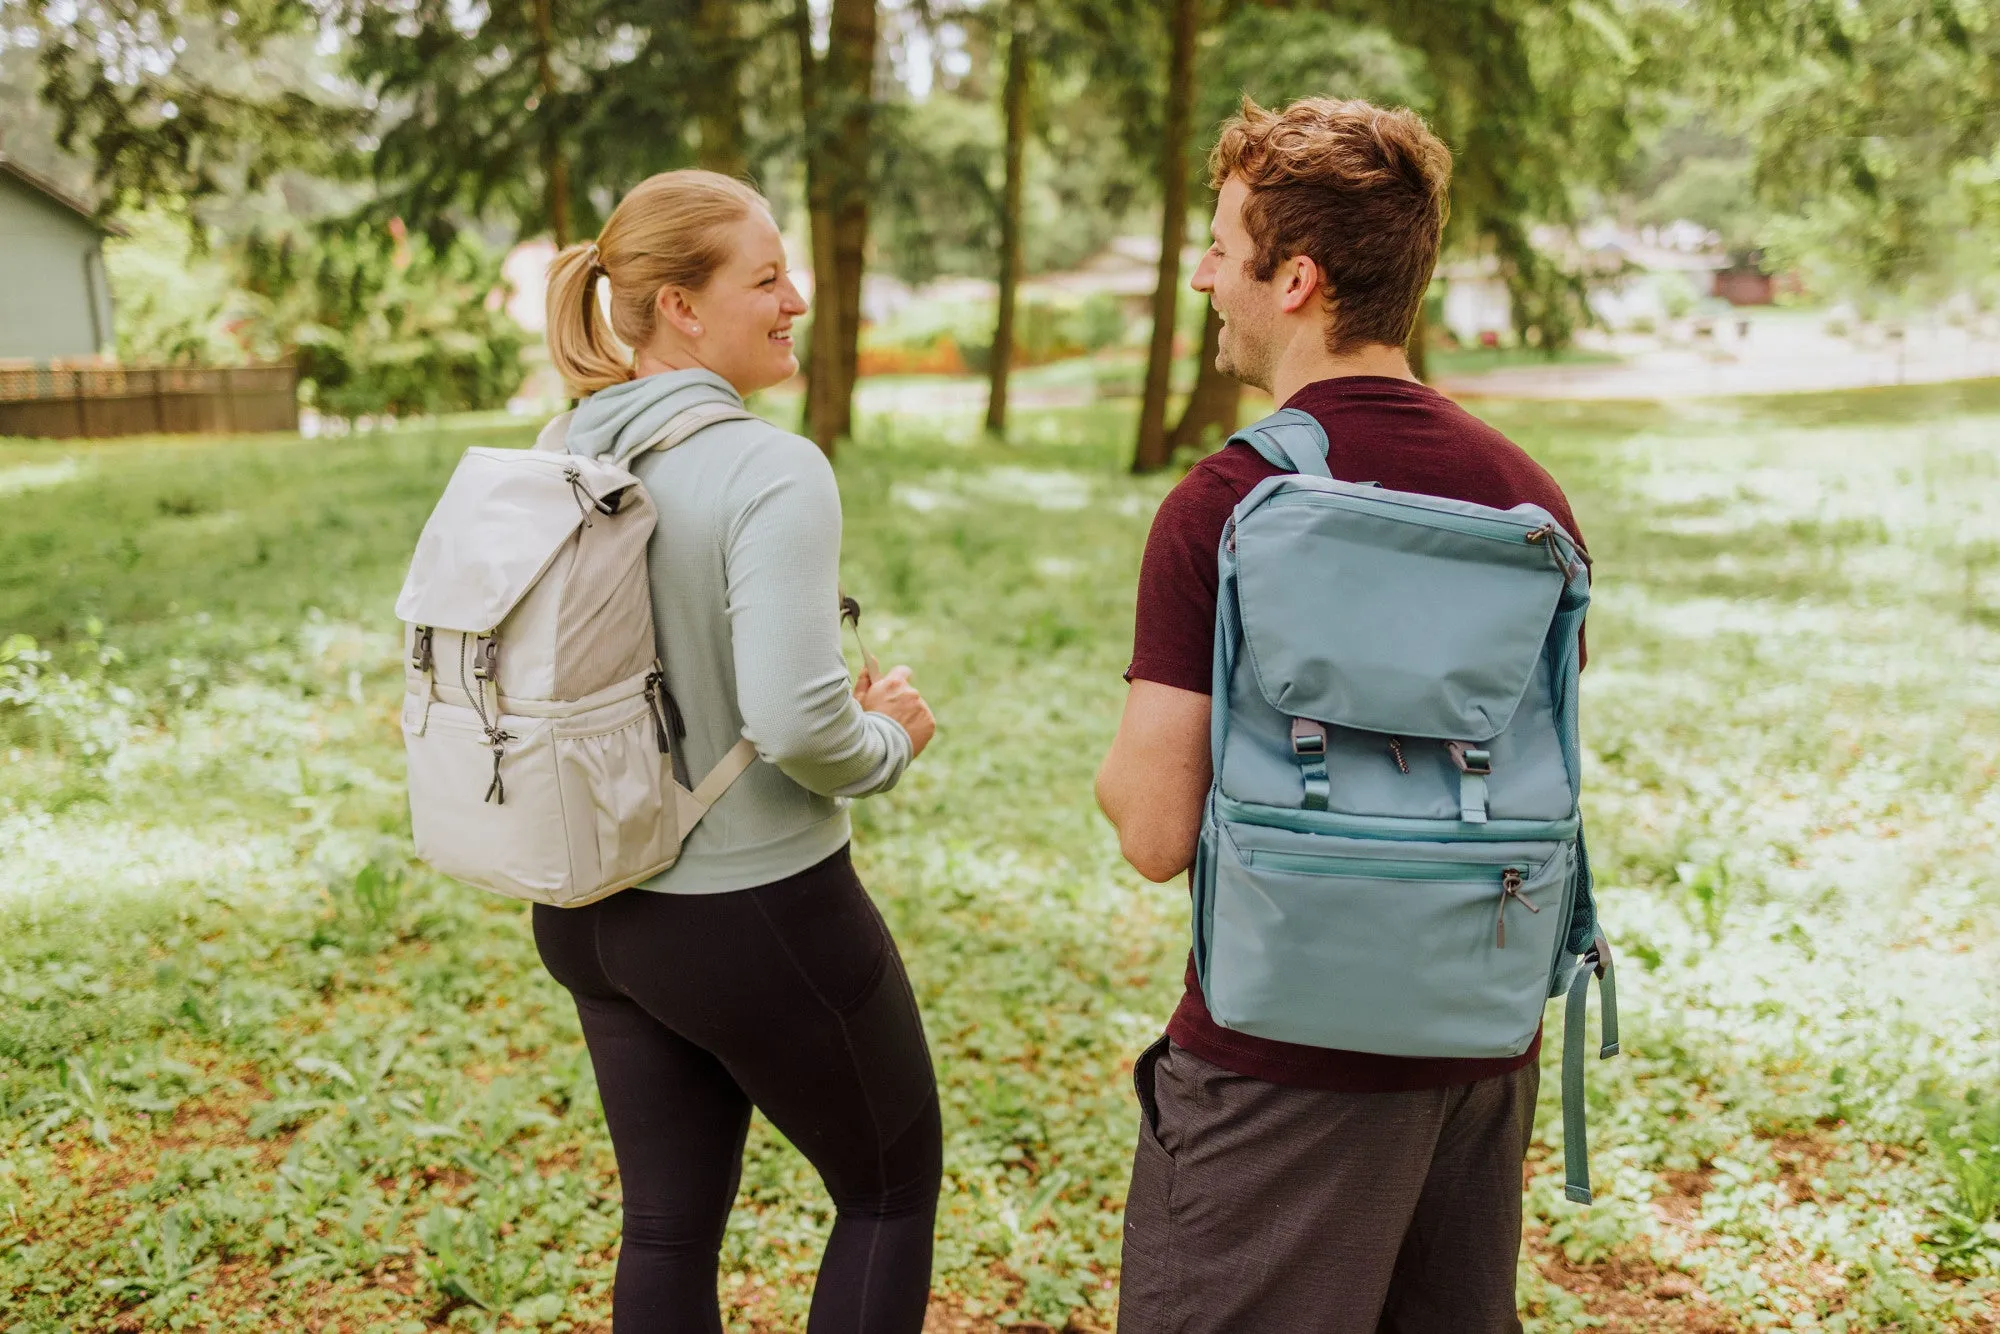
{"type": "Point", "coordinates": [681, 428]}
{"type": "Point", "coordinates": [554, 437]}
{"type": "Point", "coordinates": [1290, 439]}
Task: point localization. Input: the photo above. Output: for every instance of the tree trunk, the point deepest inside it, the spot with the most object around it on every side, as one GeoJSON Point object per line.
{"type": "Point", "coordinates": [825, 330]}
{"type": "Point", "coordinates": [839, 104]}
{"type": "Point", "coordinates": [721, 118]}
{"type": "Point", "coordinates": [1217, 398]}
{"type": "Point", "coordinates": [1014, 100]}
{"type": "Point", "coordinates": [1415, 348]}
{"type": "Point", "coordinates": [1151, 452]}
{"type": "Point", "coordinates": [555, 164]}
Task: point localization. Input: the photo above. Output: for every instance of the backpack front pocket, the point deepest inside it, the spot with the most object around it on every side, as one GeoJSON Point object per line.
{"type": "Point", "coordinates": [494, 825]}
{"type": "Point", "coordinates": [1398, 948]}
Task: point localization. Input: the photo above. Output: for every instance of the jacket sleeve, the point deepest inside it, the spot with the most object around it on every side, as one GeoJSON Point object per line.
{"type": "Point", "coordinates": [781, 563]}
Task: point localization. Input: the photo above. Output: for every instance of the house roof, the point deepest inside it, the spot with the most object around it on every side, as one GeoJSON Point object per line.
{"type": "Point", "coordinates": [43, 185]}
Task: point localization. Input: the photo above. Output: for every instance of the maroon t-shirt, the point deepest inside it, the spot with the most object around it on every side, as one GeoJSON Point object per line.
{"type": "Point", "coordinates": [1408, 438]}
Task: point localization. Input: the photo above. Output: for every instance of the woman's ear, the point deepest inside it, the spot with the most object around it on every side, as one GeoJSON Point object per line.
{"type": "Point", "coordinates": [673, 309]}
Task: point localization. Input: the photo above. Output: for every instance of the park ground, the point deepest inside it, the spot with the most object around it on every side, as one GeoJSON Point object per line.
{"type": "Point", "coordinates": [260, 1071]}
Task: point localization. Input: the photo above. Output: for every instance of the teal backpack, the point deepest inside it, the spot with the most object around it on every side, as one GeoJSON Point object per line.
{"type": "Point", "coordinates": [1392, 855]}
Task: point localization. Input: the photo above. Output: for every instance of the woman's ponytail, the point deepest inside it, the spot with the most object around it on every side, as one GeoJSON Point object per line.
{"type": "Point", "coordinates": [670, 231]}
{"type": "Point", "coordinates": [580, 347]}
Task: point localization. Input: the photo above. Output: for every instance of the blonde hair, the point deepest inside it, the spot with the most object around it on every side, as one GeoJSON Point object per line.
{"type": "Point", "coordinates": [667, 232]}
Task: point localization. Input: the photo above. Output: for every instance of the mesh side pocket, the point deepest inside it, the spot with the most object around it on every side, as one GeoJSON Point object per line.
{"type": "Point", "coordinates": [618, 798]}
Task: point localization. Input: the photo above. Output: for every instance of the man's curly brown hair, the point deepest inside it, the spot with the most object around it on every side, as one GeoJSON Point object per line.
{"type": "Point", "coordinates": [1361, 190]}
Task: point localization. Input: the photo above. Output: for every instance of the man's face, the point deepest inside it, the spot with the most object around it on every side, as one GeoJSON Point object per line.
{"type": "Point", "coordinates": [1249, 309]}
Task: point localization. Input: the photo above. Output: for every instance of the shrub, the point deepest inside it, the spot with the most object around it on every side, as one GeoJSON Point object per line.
{"type": "Point", "coordinates": [381, 323]}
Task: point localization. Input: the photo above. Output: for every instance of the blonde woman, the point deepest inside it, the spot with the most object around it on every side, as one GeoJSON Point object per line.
{"type": "Point", "coordinates": [755, 972]}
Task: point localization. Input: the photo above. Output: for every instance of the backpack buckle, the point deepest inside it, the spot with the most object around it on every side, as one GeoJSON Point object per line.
{"type": "Point", "coordinates": [1474, 764]}
{"type": "Point", "coordinates": [1470, 759]}
{"type": "Point", "coordinates": [486, 658]}
{"type": "Point", "coordinates": [420, 650]}
{"type": "Point", "coordinates": [1309, 744]}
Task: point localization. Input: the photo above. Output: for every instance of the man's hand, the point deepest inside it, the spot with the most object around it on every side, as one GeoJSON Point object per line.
{"type": "Point", "coordinates": [896, 695]}
{"type": "Point", "coordinates": [1152, 784]}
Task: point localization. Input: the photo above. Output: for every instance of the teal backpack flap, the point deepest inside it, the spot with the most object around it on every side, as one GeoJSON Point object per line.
{"type": "Point", "coordinates": [1391, 857]}
{"type": "Point", "coordinates": [1394, 613]}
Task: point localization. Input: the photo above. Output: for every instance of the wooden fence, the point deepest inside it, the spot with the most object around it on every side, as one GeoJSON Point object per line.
{"type": "Point", "coordinates": [104, 401]}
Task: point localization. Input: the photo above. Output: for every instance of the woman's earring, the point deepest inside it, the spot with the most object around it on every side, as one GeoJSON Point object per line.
{"type": "Point", "coordinates": [696, 330]}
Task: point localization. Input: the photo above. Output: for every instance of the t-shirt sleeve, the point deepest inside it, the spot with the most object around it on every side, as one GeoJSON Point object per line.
{"type": "Point", "coordinates": [1173, 637]}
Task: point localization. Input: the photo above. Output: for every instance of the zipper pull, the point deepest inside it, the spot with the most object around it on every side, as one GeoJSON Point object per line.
{"type": "Point", "coordinates": [1396, 749]}
{"type": "Point", "coordinates": [1511, 881]}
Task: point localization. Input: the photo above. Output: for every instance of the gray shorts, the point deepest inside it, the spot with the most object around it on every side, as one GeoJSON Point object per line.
{"type": "Point", "coordinates": [1258, 1208]}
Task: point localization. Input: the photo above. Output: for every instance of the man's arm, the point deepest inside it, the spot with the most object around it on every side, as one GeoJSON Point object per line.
{"type": "Point", "coordinates": [1156, 776]}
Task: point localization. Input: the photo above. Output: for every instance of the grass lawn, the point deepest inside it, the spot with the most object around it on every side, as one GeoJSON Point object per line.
{"type": "Point", "coordinates": [260, 1072]}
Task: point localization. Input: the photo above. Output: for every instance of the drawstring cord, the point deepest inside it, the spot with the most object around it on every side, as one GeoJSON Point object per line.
{"type": "Point", "coordinates": [1510, 888]}
{"type": "Point", "coordinates": [496, 737]}
{"type": "Point", "coordinates": [585, 502]}
{"type": "Point", "coordinates": [496, 791]}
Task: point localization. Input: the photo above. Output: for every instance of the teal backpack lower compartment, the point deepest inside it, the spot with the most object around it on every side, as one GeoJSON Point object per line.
{"type": "Point", "coordinates": [1391, 859]}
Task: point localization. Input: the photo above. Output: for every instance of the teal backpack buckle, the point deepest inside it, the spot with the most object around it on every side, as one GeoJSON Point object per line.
{"type": "Point", "coordinates": [1474, 765]}
{"type": "Point", "coordinates": [1309, 744]}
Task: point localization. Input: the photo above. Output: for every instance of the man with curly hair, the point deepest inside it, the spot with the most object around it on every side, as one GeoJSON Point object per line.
{"type": "Point", "coordinates": [1279, 1188]}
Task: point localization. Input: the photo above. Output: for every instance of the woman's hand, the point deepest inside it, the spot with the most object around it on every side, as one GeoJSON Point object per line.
{"type": "Point", "coordinates": [897, 696]}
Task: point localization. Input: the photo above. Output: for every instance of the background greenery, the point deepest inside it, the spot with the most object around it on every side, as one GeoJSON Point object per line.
{"type": "Point", "coordinates": [258, 1071]}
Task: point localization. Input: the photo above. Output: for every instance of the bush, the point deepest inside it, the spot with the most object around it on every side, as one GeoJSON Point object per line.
{"type": "Point", "coordinates": [380, 323]}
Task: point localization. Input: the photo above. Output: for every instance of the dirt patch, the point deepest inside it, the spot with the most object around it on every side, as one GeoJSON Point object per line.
{"type": "Point", "coordinates": [1801, 1161]}
{"type": "Point", "coordinates": [1633, 1295]}
{"type": "Point", "coordinates": [1680, 1203]}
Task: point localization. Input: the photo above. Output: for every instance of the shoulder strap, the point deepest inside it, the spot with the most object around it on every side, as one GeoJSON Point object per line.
{"type": "Point", "coordinates": [553, 438]}
{"type": "Point", "coordinates": [1290, 439]}
{"type": "Point", "coordinates": [683, 426]}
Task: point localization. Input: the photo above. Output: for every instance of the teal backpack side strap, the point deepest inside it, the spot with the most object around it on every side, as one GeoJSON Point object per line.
{"type": "Point", "coordinates": [1576, 1150]}
{"type": "Point", "coordinates": [1290, 439]}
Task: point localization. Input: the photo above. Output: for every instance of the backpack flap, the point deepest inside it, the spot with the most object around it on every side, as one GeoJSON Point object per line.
{"type": "Point", "coordinates": [1423, 617]}
{"type": "Point", "coordinates": [503, 517]}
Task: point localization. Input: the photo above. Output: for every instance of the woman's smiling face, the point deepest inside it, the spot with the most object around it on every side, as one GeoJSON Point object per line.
{"type": "Point", "coordinates": [740, 324]}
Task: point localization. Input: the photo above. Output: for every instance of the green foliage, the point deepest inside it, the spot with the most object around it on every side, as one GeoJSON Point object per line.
{"type": "Point", "coordinates": [380, 323]}
{"type": "Point", "coordinates": [1964, 1133]}
{"type": "Point", "coordinates": [176, 298]}
{"type": "Point", "coordinates": [1874, 127]}
{"type": "Point", "coordinates": [193, 99]}
{"type": "Point", "coordinates": [259, 1071]}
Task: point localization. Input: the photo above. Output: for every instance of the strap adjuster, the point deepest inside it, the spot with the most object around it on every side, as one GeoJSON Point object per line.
{"type": "Point", "coordinates": [1309, 745]}
{"type": "Point", "coordinates": [420, 649]}
{"type": "Point", "coordinates": [1470, 759]}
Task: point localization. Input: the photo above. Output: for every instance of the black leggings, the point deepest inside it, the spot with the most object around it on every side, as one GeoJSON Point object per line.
{"type": "Point", "coordinates": [790, 997]}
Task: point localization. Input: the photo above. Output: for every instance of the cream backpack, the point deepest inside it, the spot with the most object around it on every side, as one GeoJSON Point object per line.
{"type": "Point", "coordinates": [543, 744]}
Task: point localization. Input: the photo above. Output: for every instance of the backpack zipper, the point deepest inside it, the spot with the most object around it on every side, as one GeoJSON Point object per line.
{"type": "Point", "coordinates": [1363, 868]}
{"type": "Point", "coordinates": [1513, 879]}
{"type": "Point", "coordinates": [1472, 525]}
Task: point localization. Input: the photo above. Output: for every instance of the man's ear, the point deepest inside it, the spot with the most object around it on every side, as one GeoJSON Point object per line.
{"type": "Point", "coordinates": [1302, 283]}
{"type": "Point", "coordinates": [671, 307]}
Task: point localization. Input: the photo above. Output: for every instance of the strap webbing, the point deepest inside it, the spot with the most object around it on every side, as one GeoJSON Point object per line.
{"type": "Point", "coordinates": [1473, 764]}
{"type": "Point", "coordinates": [684, 425]}
{"type": "Point", "coordinates": [726, 771]}
{"type": "Point", "coordinates": [1289, 438]}
{"type": "Point", "coordinates": [1472, 798]}
{"type": "Point", "coordinates": [1309, 744]}
{"type": "Point", "coordinates": [1576, 1150]}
